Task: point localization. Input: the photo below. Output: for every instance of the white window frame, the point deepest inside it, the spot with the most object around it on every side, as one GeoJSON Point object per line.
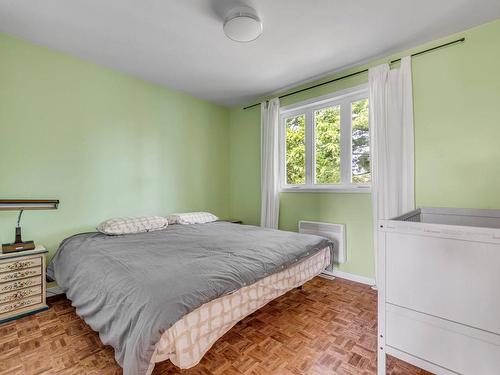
{"type": "Point", "coordinates": [340, 98]}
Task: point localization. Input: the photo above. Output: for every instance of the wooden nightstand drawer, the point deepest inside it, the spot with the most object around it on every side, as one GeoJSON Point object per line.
{"type": "Point", "coordinates": [20, 264]}
{"type": "Point", "coordinates": [11, 276]}
{"type": "Point", "coordinates": [16, 305]}
{"type": "Point", "coordinates": [20, 294]}
{"type": "Point", "coordinates": [20, 284]}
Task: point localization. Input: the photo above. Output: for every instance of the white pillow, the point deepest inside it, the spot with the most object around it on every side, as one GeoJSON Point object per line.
{"type": "Point", "coordinates": [127, 225]}
{"type": "Point", "coordinates": [191, 218]}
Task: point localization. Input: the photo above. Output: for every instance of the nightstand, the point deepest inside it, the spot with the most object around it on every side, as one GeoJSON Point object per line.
{"type": "Point", "coordinates": [22, 283]}
{"type": "Point", "coordinates": [234, 221]}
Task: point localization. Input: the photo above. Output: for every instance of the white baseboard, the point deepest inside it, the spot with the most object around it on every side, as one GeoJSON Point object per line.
{"type": "Point", "coordinates": [348, 276]}
{"type": "Point", "coordinates": [54, 291]}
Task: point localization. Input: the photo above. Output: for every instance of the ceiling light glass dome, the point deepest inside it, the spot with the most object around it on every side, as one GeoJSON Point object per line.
{"type": "Point", "coordinates": [243, 25]}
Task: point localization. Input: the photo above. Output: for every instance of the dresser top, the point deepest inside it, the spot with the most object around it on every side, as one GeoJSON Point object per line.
{"type": "Point", "coordinates": [37, 250]}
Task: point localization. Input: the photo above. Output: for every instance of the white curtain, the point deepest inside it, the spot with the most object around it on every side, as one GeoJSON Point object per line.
{"type": "Point", "coordinates": [391, 122]}
{"type": "Point", "coordinates": [269, 163]}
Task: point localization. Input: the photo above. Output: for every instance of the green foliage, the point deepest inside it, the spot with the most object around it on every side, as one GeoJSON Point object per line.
{"type": "Point", "coordinates": [327, 146]}
{"type": "Point", "coordinates": [360, 142]}
{"type": "Point", "coordinates": [295, 150]}
{"type": "Point", "coordinates": [327, 134]}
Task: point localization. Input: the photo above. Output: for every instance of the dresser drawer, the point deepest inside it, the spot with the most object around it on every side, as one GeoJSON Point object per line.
{"type": "Point", "coordinates": [15, 305]}
{"type": "Point", "coordinates": [22, 274]}
{"type": "Point", "coordinates": [20, 294]}
{"type": "Point", "coordinates": [20, 264]}
{"type": "Point", "coordinates": [20, 284]}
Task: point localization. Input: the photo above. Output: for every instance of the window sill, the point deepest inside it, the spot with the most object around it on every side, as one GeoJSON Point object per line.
{"type": "Point", "coordinates": [326, 189]}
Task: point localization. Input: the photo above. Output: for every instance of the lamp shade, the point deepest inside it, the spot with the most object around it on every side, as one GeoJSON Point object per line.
{"type": "Point", "coordinates": [28, 204]}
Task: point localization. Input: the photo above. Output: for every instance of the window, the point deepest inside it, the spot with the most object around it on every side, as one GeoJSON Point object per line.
{"type": "Point", "coordinates": [325, 143]}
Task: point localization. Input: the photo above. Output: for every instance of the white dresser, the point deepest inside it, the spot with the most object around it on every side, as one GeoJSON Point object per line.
{"type": "Point", "coordinates": [22, 283]}
{"type": "Point", "coordinates": [438, 290]}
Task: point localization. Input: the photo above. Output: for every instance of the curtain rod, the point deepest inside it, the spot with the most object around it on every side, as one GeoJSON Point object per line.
{"type": "Point", "coordinates": [461, 40]}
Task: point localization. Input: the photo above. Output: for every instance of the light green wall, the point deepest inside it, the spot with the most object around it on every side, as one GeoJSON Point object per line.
{"type": "Point", "coordinates": [104, 143]}
{"type": "Point", "coordinates": [457, 144]}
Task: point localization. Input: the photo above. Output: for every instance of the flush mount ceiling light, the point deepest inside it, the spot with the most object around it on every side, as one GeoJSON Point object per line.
{"type": "Point", "coordinates": [242, 25]}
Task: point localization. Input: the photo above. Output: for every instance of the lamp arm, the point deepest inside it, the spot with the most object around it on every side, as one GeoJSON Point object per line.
{"type": "Point", "coordinates": [19, 218]}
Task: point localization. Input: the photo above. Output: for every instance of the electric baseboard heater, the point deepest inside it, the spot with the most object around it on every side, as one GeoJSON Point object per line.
{"type": "Point", "coordinates": [334, 232]}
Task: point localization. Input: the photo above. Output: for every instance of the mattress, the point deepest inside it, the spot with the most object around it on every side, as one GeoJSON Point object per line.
{"type": "Point", "coordinates": [187, 341]}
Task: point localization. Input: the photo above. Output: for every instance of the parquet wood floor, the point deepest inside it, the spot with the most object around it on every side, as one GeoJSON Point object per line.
{"type": "Point", "coordinates": [329, 327]}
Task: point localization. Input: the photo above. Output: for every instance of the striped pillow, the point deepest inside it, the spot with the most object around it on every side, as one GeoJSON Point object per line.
{"type": "Point", "coordinates": [191, 218]}
{"type": "Point", "coordinates": [128, 225]}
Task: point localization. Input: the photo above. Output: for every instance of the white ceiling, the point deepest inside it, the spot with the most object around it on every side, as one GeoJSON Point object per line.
{"type": "Point", "coordinates": [180, 43]}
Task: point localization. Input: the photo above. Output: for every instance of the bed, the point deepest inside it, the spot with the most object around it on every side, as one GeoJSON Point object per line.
{"type": "Point", "coordinates": [170, 294]}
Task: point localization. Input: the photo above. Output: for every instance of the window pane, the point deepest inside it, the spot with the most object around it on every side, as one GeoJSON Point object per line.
{"type": "Point", "coordinates": [360, 142]}
{"type": "Point", "coordinates": [327, 145]}
{"type": "Point", "coordinates": [295, 150]}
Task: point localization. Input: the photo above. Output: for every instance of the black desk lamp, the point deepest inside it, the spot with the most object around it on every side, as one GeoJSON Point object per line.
{"type": "Point", "coordinates": [21, 205]}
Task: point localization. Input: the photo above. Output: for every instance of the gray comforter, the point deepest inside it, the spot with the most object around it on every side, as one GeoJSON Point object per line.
{"type": "Point", "coordinates": [132, 288]}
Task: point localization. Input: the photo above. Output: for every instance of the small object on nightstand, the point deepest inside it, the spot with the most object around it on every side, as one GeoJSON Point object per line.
{"type": "Point", "coordinates": [22, 283]}
{"type": "Point", "coordinates": [234, 221]}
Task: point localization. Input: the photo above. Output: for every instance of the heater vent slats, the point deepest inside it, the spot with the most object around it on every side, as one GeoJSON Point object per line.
{"type": "Point", "coordinates": [334, 232]}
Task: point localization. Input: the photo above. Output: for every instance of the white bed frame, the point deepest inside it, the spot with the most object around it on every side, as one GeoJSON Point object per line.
{"type": "Point", "coordinates": [439, 290]}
